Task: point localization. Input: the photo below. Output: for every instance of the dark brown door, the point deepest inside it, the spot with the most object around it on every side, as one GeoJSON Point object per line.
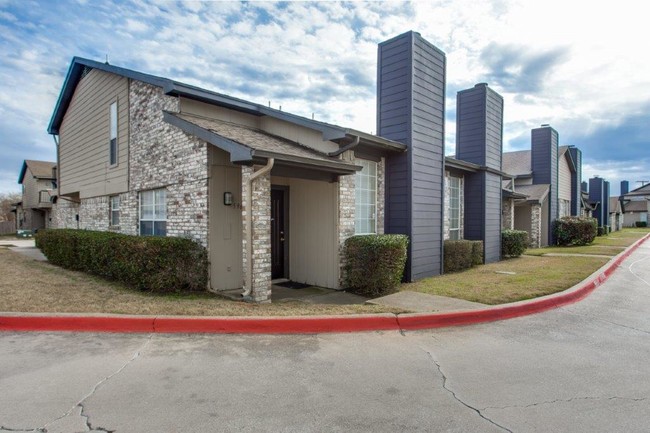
{"type": "Point", "coordinates": [277, 233]}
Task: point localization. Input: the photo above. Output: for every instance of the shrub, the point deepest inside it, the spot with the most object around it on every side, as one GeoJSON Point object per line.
{"type": "Point", "coordinates": [575, 230]}
{"type": "Point", "coordinates": [374, 264]}
{"type": "Point", "coordinates": [477, 252]}
{"type": "Point", "coordinates": [641, 224]}
{"type": "Point", "coordinates": [154, 264]}
{"type": "Point", "coordinates": [462, 254]}
{"type": "Point", "coordinates": [603, 231]}
{"type": "Point", "coordinates": [513, 242]}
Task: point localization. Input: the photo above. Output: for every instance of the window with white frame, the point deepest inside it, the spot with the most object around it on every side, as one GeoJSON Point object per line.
{"type": "Point", "coordinates": [454, 207]}
{"type": "Point", "coordinates": [365, 220]}
{"type": "Point", "coordinates": [112, 146]}
{"type": "Point", "coordinates": [114, 205]}
{"type": "Point", "coordinates": [153, 213]}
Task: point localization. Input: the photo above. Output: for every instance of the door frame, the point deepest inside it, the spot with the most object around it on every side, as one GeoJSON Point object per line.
{"type": "Point", "coordinates": [287, 231]}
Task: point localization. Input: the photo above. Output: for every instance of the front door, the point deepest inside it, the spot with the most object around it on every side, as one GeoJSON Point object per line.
{"type": "Point", "coordinates": [278, 237]}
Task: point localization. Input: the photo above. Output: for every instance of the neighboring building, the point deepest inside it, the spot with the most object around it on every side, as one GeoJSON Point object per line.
{"type": "Point", "coordinates": [616, 216]}
{"type": "Point", "coordinates": [38, 180]}
{"type": "Point", "coordinates": [549, 178]}
{"type": "Point", "coordinates": [635, 203]}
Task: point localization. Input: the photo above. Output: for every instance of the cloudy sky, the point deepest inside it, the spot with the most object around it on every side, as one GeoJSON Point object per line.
{"type": "Point", "coordinates": [581, 66]}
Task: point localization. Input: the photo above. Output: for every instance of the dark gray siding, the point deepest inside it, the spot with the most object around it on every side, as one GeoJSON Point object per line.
{"type": "Point", "coordinates": [625, 187]}
{"type": "Point", "coordinates": [576, 181]}
{"type": "Point", "coordinates": [585, 186]}
{"type": "Point", "coordinates": [606, 203]}
{"type": "Point", "coordinates": [597, 194]}
{"type": "Point", "coordinates": [410, 109]}
{"type": "Point", "coordinates": [479, 139]}
{"type": "Point", "coordinates": [544, 155]}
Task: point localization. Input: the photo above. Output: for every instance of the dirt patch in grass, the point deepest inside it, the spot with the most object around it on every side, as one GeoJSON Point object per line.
{"type": "Point", "coordinates": [30, 286]}
{"type": "Point", "coordinates": [511, 280]}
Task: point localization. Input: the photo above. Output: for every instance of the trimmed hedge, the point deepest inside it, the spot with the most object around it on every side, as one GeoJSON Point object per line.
{"type": "Point", "coordinates": [513, 243]}
{"type": "Point", "coordinates": [603, 231]}
{"type": "Point", "coordinates": [146, 263]}
{"type": "Point", "coordinates": [374, 264]}
{"type": "Point", "coordinates": [462, 254]}
{"type": "Point", "coordinates": [641, 224]}
{"type": "Point", "coordinates": [575, 230]}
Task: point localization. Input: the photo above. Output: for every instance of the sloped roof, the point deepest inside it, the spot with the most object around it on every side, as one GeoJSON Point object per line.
{"type": "Point", "coordinates": [246, 144]}
{"type": "Point", "coordinates": [517, 163]}
{"type": "Point", "coordinates": [176, 88]}
{"type": "Point", "coordinates": [614, 205]}
{"type": "Point", "coordinates": [636, 206]}
{"type": "Point", "coordinates": [39, 169]}
{"type": "Point", "coordinates": [642, 190]}
{"type": "Point", "coordinates": [536, 193]}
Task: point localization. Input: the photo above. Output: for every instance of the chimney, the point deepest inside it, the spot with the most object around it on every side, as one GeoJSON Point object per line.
{"type": "Point", "coordinates": [585, 186]}
{"type": "Point", "coordinates": [597, 194]}
{"type": "Point", "coordinates": [606, 203]}
{"type": "Point", "coordinates": [479, 139]}
{"type": "Point", "coordinates": [544, 155]}
{"type": "Point", "coordinates": [410, 109]}
{"type": "Point", "coordinates": [625, 187]}
{"type": "Point", "coordinates": [576, 181]}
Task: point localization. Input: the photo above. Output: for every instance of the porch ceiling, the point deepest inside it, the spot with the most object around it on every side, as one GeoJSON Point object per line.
{"type": "Point", "coordinates": [249, 145]}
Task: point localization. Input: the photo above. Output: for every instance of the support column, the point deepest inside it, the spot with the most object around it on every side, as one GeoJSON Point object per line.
{"type": "Point", "coordinates": [508, 214]}
{"type": "Point", "coordinates": [261, 235]}
{"type": "Point", "coordinates": [346, 199]}
{"type": "Point", "coordinates": [535, 226]}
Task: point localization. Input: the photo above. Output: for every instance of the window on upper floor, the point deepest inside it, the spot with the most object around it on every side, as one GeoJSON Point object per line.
{"type": "Point", "coordinates": [114, 205]}
{"type": "Point", "coordinates": [365, 220]}
{"type": "Point", "coordinates": [112, 147]}
{"type": "Point", "coordinates": [454, 207]}
{"type": "Point", "coordinates": [153, 213]}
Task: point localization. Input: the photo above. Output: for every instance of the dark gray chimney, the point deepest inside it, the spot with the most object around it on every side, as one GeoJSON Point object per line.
{"type": "Point", "coordinates": [544, 142]}
{"type": "Point", "coordinates": [479, 139]}
{"type": "Point", "coordinates": [597, 195]}
{"type": "Point", "coordinates": [576, 181]}
{"type": "Point", "coordinates": [625, 187]}
{"type": "Point", "coordinates": [606, 203]}
{"type": "Point", "coordinates": [585, 186]}
{"type": "Point", "coordinates": [410, 109]}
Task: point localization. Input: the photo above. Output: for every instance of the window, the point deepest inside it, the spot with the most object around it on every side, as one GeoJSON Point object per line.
{"type": "Point", "coordinates": [113, 135]}
{"type": "Point", "coordinates": [454, 207]}
{"type": "Point", "coordinates": [114, 210]}
{"type": "Point", "coordinates": [153, 213]}
{"type": "Point", "coordinates": [366, 198]}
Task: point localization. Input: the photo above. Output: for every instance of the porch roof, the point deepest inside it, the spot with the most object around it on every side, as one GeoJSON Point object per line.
{"type": "Point", "coordinates": [250, 145]}
{"type": "Point", "coordinates": [534, 193]}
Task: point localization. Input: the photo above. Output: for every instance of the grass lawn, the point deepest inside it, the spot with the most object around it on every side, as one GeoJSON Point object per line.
{"type": "Point", "coordinates": [27, 285]}
{"type": "Point", "coordinates": [533, 277]}
{"type": "Point", "coordinates": [609, 245]}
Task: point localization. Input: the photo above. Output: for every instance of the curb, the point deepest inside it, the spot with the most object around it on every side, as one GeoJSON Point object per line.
{"type": "Point", "coordinates": [306, 324]}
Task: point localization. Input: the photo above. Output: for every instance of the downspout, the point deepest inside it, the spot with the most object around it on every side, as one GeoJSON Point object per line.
{"type": "Point", "coordinates": [354, 143]}
{"type": "Point", "coordinates": [249, 226]}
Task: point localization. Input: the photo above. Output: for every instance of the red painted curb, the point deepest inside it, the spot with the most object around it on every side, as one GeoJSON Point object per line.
{"type": "Point", "coordinates": [306, 324]}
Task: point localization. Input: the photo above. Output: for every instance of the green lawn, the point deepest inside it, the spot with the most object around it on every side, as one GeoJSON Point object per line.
{"type": "Point", "coordinates": [609, 245]}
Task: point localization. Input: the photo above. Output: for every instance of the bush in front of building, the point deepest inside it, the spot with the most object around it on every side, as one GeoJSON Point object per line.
{"type": "Point", "coordinates": [146, 263]}
{"type": "Point", "coordinates": [641, 224]}
{"type": "Point", "coordinates": [576, 230]}
{"type": "Point", "coordinates": [374, 264]}
{"type": "Point", "coordinates": [462, 254]}
{"type": "Point", "coordinates": [602, 231]}
{"type": "Point", "coordinates": [513, 243]}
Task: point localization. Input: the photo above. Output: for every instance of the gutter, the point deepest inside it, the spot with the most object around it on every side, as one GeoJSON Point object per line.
{"type": "Point", "coordinates": [354, 143]}
{"type": "Point", "coordinates": [249, 228]}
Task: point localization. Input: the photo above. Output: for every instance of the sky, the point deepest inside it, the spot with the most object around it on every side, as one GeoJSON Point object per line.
{"type": "Point", "coordinates": [581, 66]}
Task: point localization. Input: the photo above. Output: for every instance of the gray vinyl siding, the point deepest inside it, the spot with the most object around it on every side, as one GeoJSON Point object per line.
{"type": "Point", "coordinates": [410, 109]}
{"type": "Point", "coordinates": [576, 181]}
{"type": "Point", "coordinates": [479, 139]}
{"type": "Point", "coordinates": [544, 161]}
{"type": "Point", "coordinates": [84, 164]}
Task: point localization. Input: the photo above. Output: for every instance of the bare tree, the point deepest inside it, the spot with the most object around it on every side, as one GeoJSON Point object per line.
{"type": "Point", "coordinates": [6, 201]}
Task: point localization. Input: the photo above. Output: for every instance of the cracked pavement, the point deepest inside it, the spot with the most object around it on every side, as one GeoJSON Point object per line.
{"type": "Point", "coordinates": [581, 368]}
